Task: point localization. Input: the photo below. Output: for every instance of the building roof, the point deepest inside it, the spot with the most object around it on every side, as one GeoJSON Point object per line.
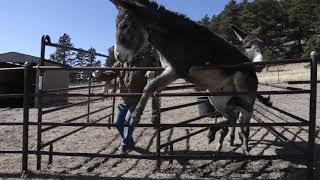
{"type": "Point", "coordinates": [20, 58]}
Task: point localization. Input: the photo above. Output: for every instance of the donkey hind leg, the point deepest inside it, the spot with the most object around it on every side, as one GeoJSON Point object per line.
{"type": "Point", "coordinates": [165, 78]}
{"type": "Point", "coordinates": [232, 117]}
{"type": "Point", "coordinates": [220, 104]}
{"type": "Point", "coordinates": [245, 117]}
{"type": "Point", "coordinates": [232, 133]}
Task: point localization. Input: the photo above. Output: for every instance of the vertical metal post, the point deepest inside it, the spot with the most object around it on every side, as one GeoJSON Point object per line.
{"type": "Point", "coordinates": [39, 90]}
{"type": "Point", "coordinates": [113, 99]}
{"type": "Point", "coordinates": [89, 93]}
{"type": "Point", "coordinates": [312, 114]}
{"type": "Point", "coordinates": [26, 106]}
{"type": "Point", "coordinates": [156, 105]}
{"type": "Point", "coordinates": [50, 155]}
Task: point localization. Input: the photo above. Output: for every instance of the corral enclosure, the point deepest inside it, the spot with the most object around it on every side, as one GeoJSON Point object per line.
{"type": "Point", "coordinates": [106, 141]}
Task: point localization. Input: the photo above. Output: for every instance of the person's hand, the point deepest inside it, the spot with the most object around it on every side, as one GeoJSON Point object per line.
{"type": "Point", "coordinates": [102, 75]}
{"type": "Point", "coordinates": [150, 74]}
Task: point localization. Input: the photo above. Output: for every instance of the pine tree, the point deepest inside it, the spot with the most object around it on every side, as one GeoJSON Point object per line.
{"type": "Point", "coordinates": [110, 60]}
{"type": "Point", "coordinates": [63, 55]}
{"type": "Point", "coordinates": [205, 21]}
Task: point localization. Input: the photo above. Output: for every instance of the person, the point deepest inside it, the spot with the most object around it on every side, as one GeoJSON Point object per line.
{"type": "Point", "coordinates": [129, 82]}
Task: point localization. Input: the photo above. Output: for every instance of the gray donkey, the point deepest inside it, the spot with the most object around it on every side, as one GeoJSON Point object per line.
{"type": "Point", "coordinates": [188, 50]}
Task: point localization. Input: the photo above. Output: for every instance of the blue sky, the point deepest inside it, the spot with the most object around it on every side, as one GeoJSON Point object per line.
{"type": "Point", "coordinates": [90, 23]}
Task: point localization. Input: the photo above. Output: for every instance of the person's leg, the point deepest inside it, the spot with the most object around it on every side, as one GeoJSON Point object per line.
{"type": "Point", "coordinates": [120, 118]}
{"type": "Point", "coordinates": [127, 132]}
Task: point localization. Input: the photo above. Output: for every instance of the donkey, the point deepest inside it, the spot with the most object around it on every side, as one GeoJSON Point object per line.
{"type": "Point", "coordinates": [188, 50]}
{"type": "Point", "coordinates": [252, 47]}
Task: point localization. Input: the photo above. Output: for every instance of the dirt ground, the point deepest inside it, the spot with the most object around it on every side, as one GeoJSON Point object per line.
{"type": "Point", "coordinates": [106, 141]}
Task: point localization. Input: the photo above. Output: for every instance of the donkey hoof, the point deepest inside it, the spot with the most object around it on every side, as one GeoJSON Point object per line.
{"type": "Point", "coordinates": [211, 136]}
{"type": "Point", "coordinates": [134, 120]}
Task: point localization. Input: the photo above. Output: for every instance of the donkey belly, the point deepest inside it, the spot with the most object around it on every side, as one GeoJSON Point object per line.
{"type": "Point", "coordinates": [213, 80]}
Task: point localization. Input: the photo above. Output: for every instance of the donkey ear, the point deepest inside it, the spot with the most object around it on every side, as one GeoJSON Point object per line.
{"type": "Point", "coordinates": [241, 35]}
{"type": "Point", "coordinates": [120, 4]}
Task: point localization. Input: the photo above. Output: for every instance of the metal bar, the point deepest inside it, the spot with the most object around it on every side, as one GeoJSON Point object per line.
{"type": "Point", "coordinates": [50, 159]}
{"type": "Point", "coordinates": [89, 97]}
{"type": "Point", "coordinates": [71, 89]}
{"type": "Point", "coordinates": [113, 101]}
{"type": "Point", "coordinates": [74, 119]}
{"type": "Point", "coordinates": [156, 106]}
{"type": "Point", "coordinates": [168, 126]}
{"type": "Point", "coordinates": [281, 86]}
{"type": "Point", "coordinates": [11, 152]}
{"type": "Point", "coordinates": [91, 69]}
{"type": "Point", "coordinates": [312, 114]}
{"type": "Point", "coordinates": [12, 69]}
{"type": "Point", "coordinates": [168, 157]}
{"type": "Point", "coordinates": [180, 94]}
{"type": "Point", "coordinates": [74, 49]}
{"type": "Point", "coordinates": [181, 106]}
{"type": "Point", "coordinates": [39, 90]}
{"type": "Point", "coordinates": [5, 96]}
{"type": "Point", "coordinates": [26, 106]}
{"type": "Point", "coordinates": [183, 138]}
{"type": "Point", "coordinates": [70, 133]}
{"type": "Point", "coordinates": [192, 120]}
{"type": "Point", "coordinates": [286, 61]}
{"type": "Point", "coordinates": [284, 112]}
{"type": "Point", "coordinates": [300, 82]}
{"type": "Point", "coordinates": [277, 134]}
{"type": "Point", "coordinates": [68, 106]}
{"type": "Point", "coordinates": [170, 88]}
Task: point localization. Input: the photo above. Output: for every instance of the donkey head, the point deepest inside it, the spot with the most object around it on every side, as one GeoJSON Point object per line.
{"type": "Point", "coordinates": [251, 44]}
{"type": "Point", "coordinates": [131, 34]}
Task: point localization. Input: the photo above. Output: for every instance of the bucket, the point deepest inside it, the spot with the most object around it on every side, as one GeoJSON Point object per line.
{"type": "Point", "coordinates": [205, 107]}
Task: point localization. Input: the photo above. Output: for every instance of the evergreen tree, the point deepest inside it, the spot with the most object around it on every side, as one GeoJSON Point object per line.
{"type": "Point", "coordinates": [205, 21]}
{"type": "Point", "coordinates": [63, 55]}
{"type": "Point", "coordinates": [110, 60]}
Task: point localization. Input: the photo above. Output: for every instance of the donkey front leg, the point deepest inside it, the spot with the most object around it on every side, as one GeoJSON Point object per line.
{"type": "Point", "coordinates": [165, 78]}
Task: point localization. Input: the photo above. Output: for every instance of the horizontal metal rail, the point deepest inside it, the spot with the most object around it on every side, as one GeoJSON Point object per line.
{"type": "Point", "coordinates": [76, 118]}
{"type": "Point", "coordinates": [73, 88]}
{"type": "Point", "coordinates": [182, 138]}
{"type": "Point", "coordinates": [11, 123]}
{"type": "Point", "coordinates": [198, 125]}
{"type": "Point", "coordinates": [281, 86]}
{"type": "Point", "coordinates": [284, 112]}
{"type": "Point", "coordinates": [170, 88]}
{"type": "Point", "coordinates": [169, 157]}
{"type": "Point", "coordinates": [72, 132]}
{"type": "Point", "coordinates": [91, 69]}
{"type": "Point", "coordinates": [181, 106]}
{"type": "Point", "coordinates": [11, 152]}
{"type": "Point", "coordinates": [12, 69]}
{"type": "Point", "coordinates": [277, 134]}
{"type": "Point", "coordinates": [175, 94]}
{"type": "Point", "coordinates": [300, 82]}
{"type": "Point", "coordinates": [4, 96]}
{"type": "Point", "coordinates": [188, 121]}
{"type": "Point", "coordinates": [69, 106]}
{"type": "Point", "coordinates": [74, 49]}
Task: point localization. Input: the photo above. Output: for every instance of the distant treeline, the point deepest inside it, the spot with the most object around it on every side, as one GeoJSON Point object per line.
{"type": "Point", "coordinates": [290, 27]}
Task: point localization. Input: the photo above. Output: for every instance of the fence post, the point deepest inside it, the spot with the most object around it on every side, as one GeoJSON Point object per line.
{"type": "Point", "coordinates": [39, 89]}
{"type": "Point", "coordinates": [312, 113]}
{"type": "Point", "coordinates": [156, 120]}
{"type": "Point", "coordinates": [26, 106]}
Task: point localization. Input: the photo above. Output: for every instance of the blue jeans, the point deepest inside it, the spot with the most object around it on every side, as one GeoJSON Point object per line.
{"type": "Point", "coordinates": [123, 117]}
